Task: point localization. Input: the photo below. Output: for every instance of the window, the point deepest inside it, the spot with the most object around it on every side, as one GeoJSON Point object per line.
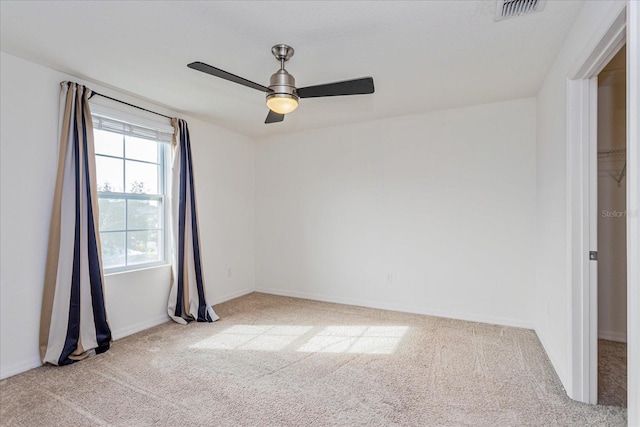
{"type": "Point", "coordinates": [131, 172]}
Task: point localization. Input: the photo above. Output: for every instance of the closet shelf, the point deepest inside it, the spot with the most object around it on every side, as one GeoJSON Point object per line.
{"type": "Point", "coordinates": [612, 163]}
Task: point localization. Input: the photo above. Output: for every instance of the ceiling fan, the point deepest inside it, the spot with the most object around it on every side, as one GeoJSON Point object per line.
{"type": "Point", "coordinates": [282, 93]}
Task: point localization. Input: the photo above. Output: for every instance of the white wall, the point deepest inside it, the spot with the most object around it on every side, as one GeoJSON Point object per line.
{"type": "Point", "coordinates": [612, 206]}
{"type": "Point", "coordinates": [224, 171]}
{"type": "Point", "coordinates": [553, 286]}
{"type": "Point", "coordinates": [443, 202]}
{"type": "Point", "coordinates": [223, 165]}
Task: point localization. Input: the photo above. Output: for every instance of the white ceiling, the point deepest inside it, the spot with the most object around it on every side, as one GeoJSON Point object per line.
{"type": "Point", "coordinates": [423, 56]}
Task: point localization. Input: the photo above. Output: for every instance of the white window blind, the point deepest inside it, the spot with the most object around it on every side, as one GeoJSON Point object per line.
{"type": "Point", "coordinates": [127, 123]}
{"type": "Point", "coordinates": [129, 129]}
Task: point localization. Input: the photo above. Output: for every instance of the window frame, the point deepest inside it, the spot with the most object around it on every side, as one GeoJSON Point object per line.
{"type": "Point", "coordinates": [164, 171]}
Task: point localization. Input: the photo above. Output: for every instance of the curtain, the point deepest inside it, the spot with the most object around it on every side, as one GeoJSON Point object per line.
{"type": "Point", "coordinates": [73, 322]}
{"type": "Point", "coordinates": [187, 300]}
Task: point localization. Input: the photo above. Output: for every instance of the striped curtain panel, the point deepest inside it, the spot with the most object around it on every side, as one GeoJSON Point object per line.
{"type": "Point", "coordinates": [73, 323]}
{"type": "Point", "coordinates": [187, 299]}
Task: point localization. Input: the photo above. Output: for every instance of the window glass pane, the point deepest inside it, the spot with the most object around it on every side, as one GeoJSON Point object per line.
{"type": "Point", "coordinates": [109, 174]}
{"type": "Point", "coordinates": [144, 214]}
{"type": "Point", "coordinates": [142, 178]}
{"type": "Point", "coordinates": [141, 149]}
{"type": "Point", "coordinates": [112, 249]}
{"type": "Point", "coordinates": [130, 165]}
{"type": "Point", "coordinates": [144, 246]}
{"type": "Point", "coordinates": [111, 214]}
{"type": "Point", "coordinates": [108, 143]}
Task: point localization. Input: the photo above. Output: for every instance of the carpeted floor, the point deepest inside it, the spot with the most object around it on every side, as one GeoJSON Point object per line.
{"type": "Point", "coordinates": [276, 361]}
{"type": "Point", "coordinates": [612, 373]}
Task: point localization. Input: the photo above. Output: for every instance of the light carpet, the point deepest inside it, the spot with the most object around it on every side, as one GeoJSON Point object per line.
{"type": "Point", "coordinates": [277, 361]}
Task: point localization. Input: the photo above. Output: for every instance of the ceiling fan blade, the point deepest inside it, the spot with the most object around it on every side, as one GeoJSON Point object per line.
{"type": "Point", "coordinates": [274, 117]}
{"type": "Point", "coordinates": [360, 86]}
{"type": "Point", "coordinates": [205, 68]}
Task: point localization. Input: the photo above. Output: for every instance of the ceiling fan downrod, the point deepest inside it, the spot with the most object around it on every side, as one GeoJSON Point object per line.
{"type": "Point", "coordinates": [282, 85]}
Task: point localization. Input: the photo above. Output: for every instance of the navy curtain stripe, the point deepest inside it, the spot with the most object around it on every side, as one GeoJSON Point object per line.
{"type": "Point", "coordinates": [102, 330]}
{"type": "Point", "coordinates": [188, 280]}
{"type": "Point", "coordinates": [203, 316]}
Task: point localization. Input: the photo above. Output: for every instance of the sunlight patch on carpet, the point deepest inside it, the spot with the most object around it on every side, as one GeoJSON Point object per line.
{"type": "Point", "coordinates": [254, 337]}
{"type": "Point", "coordinates": [356, 339]}
{"type": "Point", "coordinates": [331, 339]}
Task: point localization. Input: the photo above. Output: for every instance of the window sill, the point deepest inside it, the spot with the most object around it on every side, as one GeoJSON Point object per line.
{"type": "Point", "coordinates": [137, 270]}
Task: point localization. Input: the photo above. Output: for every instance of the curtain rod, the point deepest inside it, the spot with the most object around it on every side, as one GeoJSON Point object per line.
{"type": "Point", "coordinates": [130, 105]}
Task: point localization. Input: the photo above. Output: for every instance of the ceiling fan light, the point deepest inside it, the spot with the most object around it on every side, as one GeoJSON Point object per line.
{"type": "Point", "coordinates": [282, 103]}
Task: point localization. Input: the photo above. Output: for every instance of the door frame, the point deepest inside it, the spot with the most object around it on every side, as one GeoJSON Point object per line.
{"type": "Point", "coordinates": [633, 207]}
{"type": "Point", "coordinates": [620, 27]}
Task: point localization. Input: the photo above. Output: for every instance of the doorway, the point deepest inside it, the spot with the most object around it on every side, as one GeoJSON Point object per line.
{"type": "Point", "coordinates": [620, 27]}
{"type": "Point", "coordinates": [611, 233]}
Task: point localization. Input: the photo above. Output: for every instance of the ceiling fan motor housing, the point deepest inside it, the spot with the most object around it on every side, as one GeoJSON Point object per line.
{"type": "Point", "coordinates": [282, 84]}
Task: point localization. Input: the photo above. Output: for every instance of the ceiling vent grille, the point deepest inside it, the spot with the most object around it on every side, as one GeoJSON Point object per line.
{"type": "Point", "coordinates": [506, 9]}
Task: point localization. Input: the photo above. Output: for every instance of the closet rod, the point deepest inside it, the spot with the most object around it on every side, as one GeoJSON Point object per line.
{"type": "Point", "coordinates": [130, 105]}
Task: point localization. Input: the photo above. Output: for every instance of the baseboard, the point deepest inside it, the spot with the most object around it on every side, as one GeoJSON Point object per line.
{"type": "Point", "coordinates": [612, 336]}
{"type": "Point", "coordinates": [139, 327]}
{"type": "Point", "coordinates": [400, 307]}
{"type": "Point", "coordinates": [21, 367]}
{"type": "Point", "coordinates": [233, 295]}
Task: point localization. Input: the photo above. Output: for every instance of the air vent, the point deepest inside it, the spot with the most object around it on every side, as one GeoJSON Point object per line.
{"type": "Point", "coordinates": [506, 9]}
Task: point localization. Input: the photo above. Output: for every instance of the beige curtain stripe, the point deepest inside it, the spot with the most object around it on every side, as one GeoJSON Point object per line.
{"type": "Point", "coordinates": [53, 249]}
